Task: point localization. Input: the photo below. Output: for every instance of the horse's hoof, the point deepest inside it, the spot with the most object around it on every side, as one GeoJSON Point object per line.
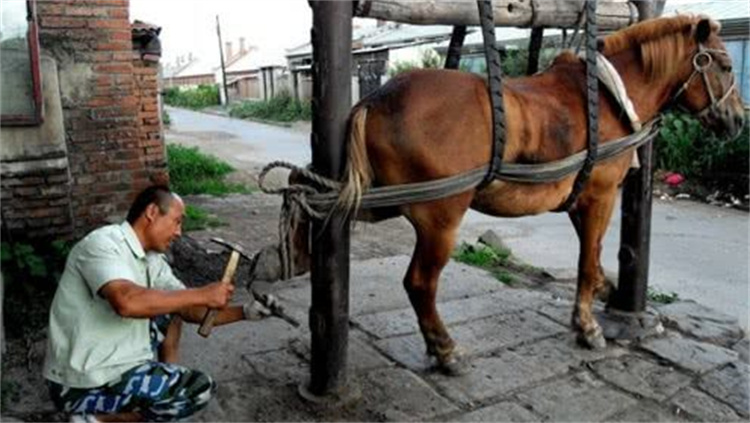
{"type": "Point", "coordinates": [593, 339]}
{"type": "Point", "coordinates": [453, 364]}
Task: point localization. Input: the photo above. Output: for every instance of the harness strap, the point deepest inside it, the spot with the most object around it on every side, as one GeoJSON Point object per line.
{"type": "Point", "coordinates": [592, 107]}
{"type": "Point", "coordinates": [494, 81]}
{"type": "Point", "coordinates": [702, 69]}
{"type": "Point", "coordinates": [318, 204]}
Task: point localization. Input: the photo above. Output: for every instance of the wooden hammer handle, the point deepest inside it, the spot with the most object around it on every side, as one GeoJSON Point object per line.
{"type": "Point", "coordinates": [208, 319]}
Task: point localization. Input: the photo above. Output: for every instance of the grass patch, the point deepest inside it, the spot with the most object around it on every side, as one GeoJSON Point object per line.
{"type": "Point", "coordinates": [197, 219]}
{"type": "Point", "coordinates": [481, 255]}
{"type": "Point", "coordinates": [192, 98]}
{"type": "Point", "coordinates": [488, 258]}
{"type": "Point", "coordinates": [661, 297]}
{"type": "Point", "coordinates": [504, 277]}
{"type": "Point", "coordinates": [192, 172]}
{"type": "Point", "coordinates": [282, 108]}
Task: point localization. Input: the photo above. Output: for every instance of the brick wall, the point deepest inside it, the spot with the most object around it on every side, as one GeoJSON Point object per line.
{"type": "Point", "coordinates": [150, 138]}
{"type": "Point", "coordinates": [106, 113]}
{"type": "Point", "coordinates": [36, 200]}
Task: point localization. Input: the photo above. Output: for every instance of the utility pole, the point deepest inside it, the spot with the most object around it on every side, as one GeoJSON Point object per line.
{"type": "Point", "coordinates": [221, 56]}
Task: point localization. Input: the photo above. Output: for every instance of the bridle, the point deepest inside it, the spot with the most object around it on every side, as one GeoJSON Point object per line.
{"type": "Point", "coordinates": [705, 54]}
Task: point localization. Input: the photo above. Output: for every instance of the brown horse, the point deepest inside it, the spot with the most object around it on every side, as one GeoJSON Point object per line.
{"type": "Point", "coordinates": [431, 124]}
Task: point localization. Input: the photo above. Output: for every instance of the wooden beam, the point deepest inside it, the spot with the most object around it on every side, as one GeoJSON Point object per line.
{"type": "Point", "coordinates": [611, 14]}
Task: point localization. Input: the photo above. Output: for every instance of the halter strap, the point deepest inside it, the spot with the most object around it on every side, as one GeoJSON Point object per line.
{"type": "Point", "coordinates": [702, 70]}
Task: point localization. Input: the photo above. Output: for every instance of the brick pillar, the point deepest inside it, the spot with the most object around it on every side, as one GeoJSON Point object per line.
{"type": "Point", "coordinates": [150, 138]}
{"type": "Point", "coordinates": [91, 42]}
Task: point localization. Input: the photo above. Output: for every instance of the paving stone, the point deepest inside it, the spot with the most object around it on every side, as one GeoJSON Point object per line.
{"type": "Point", "coordinates": [642, 377]}
{"type": "Point", "coordinates": [477, 337]}
{"type": "Point", "coordinates": [703, 407]}
{"type": "Point", "coordinates": [730, 385]}
{"type": "Point", "coordinates": [696, 356]}
{"type": "Point", "coordinates": [561, 310]}
{"type": "Point", "coordinates": [246, 399]}
{"type": "Point", "coordinates": [220, 354]}
{"type": "Point", "coordinates": [395, 394]}
{"type": "Point", "coordinates": [515, 368]}
{"type": "Point", "coordinates": [279, 367]}
{"type": "Point", "coordinates": [376, 285]}
{"type": "Point", "coordinates": [743, 349]}
{"type": "Point", "coordinates": [701, 322]}
{"type": "Point", "coordinates": [501, 412]}
{"type": "Point", "coordinates": [401, 322]}
{"type": "Point", "coordinates": [576, 398]}
{"type": "Point", "coordinates": [645, 412]}
{"type": "Point", "coordinates": [361, 355]}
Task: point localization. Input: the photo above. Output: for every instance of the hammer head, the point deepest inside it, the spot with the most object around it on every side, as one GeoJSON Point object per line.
{"type": "Point", "coordinates": [232, 247]}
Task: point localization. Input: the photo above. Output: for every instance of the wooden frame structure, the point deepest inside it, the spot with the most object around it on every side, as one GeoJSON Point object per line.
{"type": "Point", "coordinates": [332, 61]}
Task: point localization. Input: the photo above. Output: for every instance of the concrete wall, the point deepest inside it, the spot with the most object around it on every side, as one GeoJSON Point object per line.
{"type": "Point", "coordinates": [35, 175]}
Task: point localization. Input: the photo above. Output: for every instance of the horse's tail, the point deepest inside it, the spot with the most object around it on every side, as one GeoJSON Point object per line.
{"type": "Point", "coordinates": [358, 173]}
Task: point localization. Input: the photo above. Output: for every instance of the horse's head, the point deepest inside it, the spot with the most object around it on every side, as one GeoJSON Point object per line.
{"type": "Point", "coordinates": [710, 92]}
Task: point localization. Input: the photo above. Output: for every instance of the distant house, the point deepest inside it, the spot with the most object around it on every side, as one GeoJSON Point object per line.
{"type": "Point", "coordinates": [375, 50]}
{"type": "Point", "coordinates": [252, 73]}
{"type": "Point", "coordinates": [188, 72]}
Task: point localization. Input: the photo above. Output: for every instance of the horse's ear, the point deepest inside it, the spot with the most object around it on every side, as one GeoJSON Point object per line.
{"type": "Point", "coordinates": [704, 29]}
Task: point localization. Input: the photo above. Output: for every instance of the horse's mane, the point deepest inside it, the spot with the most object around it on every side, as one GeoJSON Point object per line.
{"type": "Point", "coordinates": [662, 42]}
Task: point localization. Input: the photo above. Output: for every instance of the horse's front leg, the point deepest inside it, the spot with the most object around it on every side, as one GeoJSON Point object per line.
{"type": "Point", "coordinates": [436, 236]}
{"type": "Point", "coordinates": [591, 219]}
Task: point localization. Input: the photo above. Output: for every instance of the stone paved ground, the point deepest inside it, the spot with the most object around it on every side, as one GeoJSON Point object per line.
{"type": "Point", "coordinates": [524, 364]}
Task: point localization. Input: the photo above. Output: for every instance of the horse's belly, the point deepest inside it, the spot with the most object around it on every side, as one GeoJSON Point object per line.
{"type": "Point", "coordinates": [510, 199]}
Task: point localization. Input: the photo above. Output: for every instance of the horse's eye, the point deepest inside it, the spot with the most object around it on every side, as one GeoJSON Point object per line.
{"type": "Point", "coordinates": [726, 68]}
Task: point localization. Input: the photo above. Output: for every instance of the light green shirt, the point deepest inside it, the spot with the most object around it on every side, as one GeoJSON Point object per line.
{"type": "Point", "coordinates": [89, 344]}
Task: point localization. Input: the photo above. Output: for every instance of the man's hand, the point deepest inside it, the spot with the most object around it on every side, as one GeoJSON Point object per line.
{"type": "Point", "coordinates": [217, 294]}
{"type": "Point", "coordinates": [254, 310]}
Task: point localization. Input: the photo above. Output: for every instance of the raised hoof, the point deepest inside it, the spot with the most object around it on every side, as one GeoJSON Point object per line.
{"type": "Point", "coordinates": [593, 339]}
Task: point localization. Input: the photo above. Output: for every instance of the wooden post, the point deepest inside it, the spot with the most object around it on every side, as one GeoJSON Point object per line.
{"type": "Point", "coordinates": [332, 88]}
{"type": "Point", "coordinates": [535, 47]}
{"type": "Point", "coordinates": [272, 74]}
{"type": "Point", "coordinates": [635, 229]}
{"type": "Point", "coordinates": [221, 57]}
{"type": "Point", "coordinates": [453, 58]}
{"type": "Point", "coordinates": [295, 83]}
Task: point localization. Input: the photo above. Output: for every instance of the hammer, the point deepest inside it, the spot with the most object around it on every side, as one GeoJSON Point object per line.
{"type": "Point", "coordinates": [208, 320]}
{"type": "Point", "coordinates": [265, 299]}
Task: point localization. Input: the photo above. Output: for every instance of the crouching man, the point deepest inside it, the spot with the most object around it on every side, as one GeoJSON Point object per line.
{"type": "Point", "coordinates": [116, 319]}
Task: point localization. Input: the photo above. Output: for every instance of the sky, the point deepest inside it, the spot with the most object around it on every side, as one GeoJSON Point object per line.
{"type": "Point", "coordinates": [190, 25]}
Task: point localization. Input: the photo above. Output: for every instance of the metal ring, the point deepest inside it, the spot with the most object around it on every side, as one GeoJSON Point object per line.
{"type": "Point", "coordinates": [702, 68]}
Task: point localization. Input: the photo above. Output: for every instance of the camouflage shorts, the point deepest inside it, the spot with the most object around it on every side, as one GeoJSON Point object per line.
{"type": "Point", "coordinates": [158, 391]}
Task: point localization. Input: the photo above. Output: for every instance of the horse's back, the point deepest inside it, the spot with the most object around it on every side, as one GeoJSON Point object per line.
{"type": "Point", "coordinates": [427, 124]}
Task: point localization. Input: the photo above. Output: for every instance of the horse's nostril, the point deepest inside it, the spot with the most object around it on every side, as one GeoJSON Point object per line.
{"type": "Point", "coordinates": [739, 121]}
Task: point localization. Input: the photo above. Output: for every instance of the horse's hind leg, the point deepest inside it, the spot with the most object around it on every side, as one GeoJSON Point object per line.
{"type": "Point", "coordinates": [436, 225]}
{"type": "Point", "coordinates": [591, 219]}
{"type": "Point", "coordinates": [602, 290]}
